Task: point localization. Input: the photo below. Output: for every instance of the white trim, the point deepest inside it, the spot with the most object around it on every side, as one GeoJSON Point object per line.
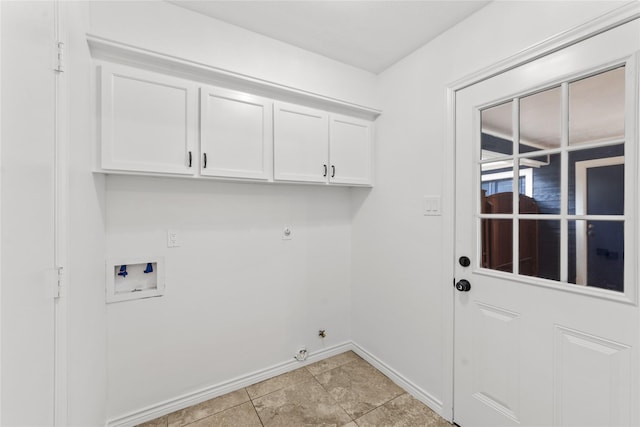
{"type": "Point", "coordinates": [111, 50]}
{"type": "Point", "coordinates": [617, 17]}
{"type": "Point", "coordinates": [411, 388]}
{"type": "Point", "coordinates": [61, 187]}
{"type": "Point", "coordinates": [449, 253]}
{"type": "Point", "coordinates": [1, 388]}
{"type": "Point", "coordinates": [180, 402]}
{"type": "Point", "coordinates": [581, 207]}
{"type": "Point", "coordinates": [193, 398]}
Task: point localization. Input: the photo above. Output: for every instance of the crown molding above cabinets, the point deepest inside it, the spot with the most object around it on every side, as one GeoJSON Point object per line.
{"type": "Point", "coordinates": [162, 115]}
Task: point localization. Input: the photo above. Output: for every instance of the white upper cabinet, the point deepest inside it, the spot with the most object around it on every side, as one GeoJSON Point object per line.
{"type": "Point", "coordinates": [236, 136]}
{"type": "Point", "coordinates": [350, 150]}
{"type": "Point", "coordinates": [148, 121]}
{"type": "Point", "coordinates": [301, 143]}
{"type": "Point", "coordinates": [314, 146]}
{"type": "Point", "coordinates": [155, 123]}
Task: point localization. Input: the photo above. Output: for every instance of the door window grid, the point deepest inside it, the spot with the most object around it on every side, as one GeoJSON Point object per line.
{"type": "Point", "coordinates": [515, 159]}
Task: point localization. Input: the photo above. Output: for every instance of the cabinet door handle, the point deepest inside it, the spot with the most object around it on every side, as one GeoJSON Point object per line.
{"type": "Point", "coordinates": [190, 158]}
{"type": "Point", "coordinates": [204, 166]}
{"type": "Point", "coordinates": [325, 170]}
{"type": "Point", "coordinates": [333, 171]}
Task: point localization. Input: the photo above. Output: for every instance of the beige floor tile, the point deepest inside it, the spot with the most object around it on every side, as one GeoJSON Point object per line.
{"type": "Point", "coordinates": [158, 422]}
{"type": "Point", "coordinates": [279, 382]}
{"type": "Point", "coordinates": [332, 362]}
{"type": "Point", "coordinates": [239, 416]}
{"type": "Point", "coordinates": [351, 424]}
{"type": "Point", "coordinates": [302, 404]}
{"type": "Point", "coordinates": [358, 387]}
{"type": "Point", "coordinates": [208, 408]}
{"type": "Point", "coordinates": [403, 411]}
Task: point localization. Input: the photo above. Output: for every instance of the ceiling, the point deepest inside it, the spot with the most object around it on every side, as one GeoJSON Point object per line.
{"type": "Point", "coordinates": [371, 35]}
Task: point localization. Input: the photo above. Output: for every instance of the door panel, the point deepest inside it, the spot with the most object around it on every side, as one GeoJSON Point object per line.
{"type": "Point", "coordinates": [590, 369]}
{"type": "Point", "coordinates": [495, 349]}
{"type": "Point", "coordinates": [532, 347]}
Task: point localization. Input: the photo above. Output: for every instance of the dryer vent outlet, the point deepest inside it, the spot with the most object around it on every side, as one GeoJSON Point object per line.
{"type": "Point", "coordinates": [301, 354]}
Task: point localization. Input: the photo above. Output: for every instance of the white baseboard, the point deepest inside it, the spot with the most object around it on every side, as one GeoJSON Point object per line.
{"type": "Point", "coordinates": [396, 377]}
{"type": "Point", "coordinates": [198, 396]}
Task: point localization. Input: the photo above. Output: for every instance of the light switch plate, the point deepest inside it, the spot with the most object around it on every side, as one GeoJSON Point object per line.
{"type": "Point", "coordinates": [173, 239]}
{"type": "Point", "coordinates": [431, 205]}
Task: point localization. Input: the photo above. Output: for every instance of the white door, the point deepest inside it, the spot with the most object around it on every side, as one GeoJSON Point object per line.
{"type": "Point", "coordinates": [147, 121]}
{"type": "Point", "coordinates": [27, 213]}
{"type": "Point", "coordinates": [300, 143]}
{"type": "Point", "coordinates": [235, 134]}
{"type": "Point", "coordinates": [349, 150]}
{"type": "Point", "coordinates": [534, 346]}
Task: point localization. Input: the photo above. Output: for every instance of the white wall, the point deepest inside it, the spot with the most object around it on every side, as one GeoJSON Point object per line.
{"type": "Point", "coordinates": [172, 30]}
{"type": "Point", "coordinates": [238, 298]}
{"type": "Point", "coordinates": [397, 265]}
{"type": "Point", "coordinates": [27, 239]}
{"type": "Point", "coordinates": [84, 272]}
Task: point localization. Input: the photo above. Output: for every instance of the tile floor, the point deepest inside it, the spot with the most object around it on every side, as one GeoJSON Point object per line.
{"type": "Point", "coordinates": [341, 391]}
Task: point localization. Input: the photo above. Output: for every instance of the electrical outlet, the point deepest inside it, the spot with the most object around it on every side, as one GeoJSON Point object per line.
{"type": "Point", "coordinates": [173, 239]}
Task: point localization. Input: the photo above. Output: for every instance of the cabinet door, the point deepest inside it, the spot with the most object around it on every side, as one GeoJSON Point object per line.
{"type": "Point", "coordinates": [148, 121]}
{"type": "Point", "coordinates": [235, 134]}
{"type": "Point", "coordinates": [350, 150]}
{"type": "Point", "coordinates": [301, 143]}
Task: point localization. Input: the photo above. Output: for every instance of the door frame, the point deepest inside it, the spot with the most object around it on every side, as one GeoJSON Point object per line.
{"type": "Point", "coordinates": [1, 219]}
{"type": "Point", "coordinates": [60, 225]}
{"type": "Point", "coordinates": [581, 207]}
{"type": "Point", "coordinates": [612, 19]}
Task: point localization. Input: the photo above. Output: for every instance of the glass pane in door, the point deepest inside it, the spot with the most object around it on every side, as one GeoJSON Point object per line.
{"type": "Point", "coordinates": [596, 108]}
{"type": "Point", "coordinates": [541, 121]}
{"type": "Point", "coordinates": [497, 131]}
{"type": "Point", "coordinates": [539, 248]}
{"type": "Point", "coordinates": [497, 244]}
{"type": "Point", "coordinates": [596, 254]}
{"type": "Point", "coordinates": [496, 187]}
{"type": "Point", "coordinates": [596, 181]}
{"type": "Point", "coordinates": [541, 177]}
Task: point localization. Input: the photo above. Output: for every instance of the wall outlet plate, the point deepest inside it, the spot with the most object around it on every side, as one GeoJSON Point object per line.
{"type": "Point", "coordinates": [173, 239]}
{"type": "Point", "coordinates": [431, 205]}
{"type": "Point", "coordinates": [287, 232]}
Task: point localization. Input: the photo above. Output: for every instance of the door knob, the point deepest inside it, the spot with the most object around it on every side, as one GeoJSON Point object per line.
{"type": "Point", "coordinates": [463, 285]}
{"type": "Point", "coordinates": [464, 261]}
